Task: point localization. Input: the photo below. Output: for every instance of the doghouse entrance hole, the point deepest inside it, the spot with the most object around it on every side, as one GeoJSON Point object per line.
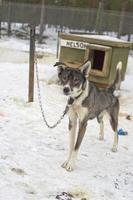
{"type": "Point", "coordinates": [98, 60]}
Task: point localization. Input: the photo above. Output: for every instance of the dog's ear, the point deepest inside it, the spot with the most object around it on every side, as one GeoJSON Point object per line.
{"type": "Point", "coordinates": [85, 68]}
{"type": "Point", "coordinates": [60, 66]}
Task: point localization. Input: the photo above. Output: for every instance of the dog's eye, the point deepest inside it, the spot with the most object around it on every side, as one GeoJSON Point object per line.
{"type": "Point", "coordinates": [76, 80]}
{"type": "Point", "coordinates": [64, 78]}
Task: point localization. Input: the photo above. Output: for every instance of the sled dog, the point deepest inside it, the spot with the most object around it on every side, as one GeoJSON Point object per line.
{"type": "Point", "coordinates": [87, 102]}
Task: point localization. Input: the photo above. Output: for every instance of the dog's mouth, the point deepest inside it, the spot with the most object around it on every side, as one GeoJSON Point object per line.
{"type": "Point", "coordinates": [66, 94]}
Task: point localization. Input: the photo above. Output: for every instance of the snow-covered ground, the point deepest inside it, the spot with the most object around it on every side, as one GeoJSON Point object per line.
{"type": "Point", "coordinates": [31, 154]}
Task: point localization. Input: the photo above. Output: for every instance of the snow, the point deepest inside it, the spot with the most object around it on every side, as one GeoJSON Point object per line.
{"type": "Point", "coordinates": [31, 154]}
{"type": "Point", "coordinates": [104, 37]}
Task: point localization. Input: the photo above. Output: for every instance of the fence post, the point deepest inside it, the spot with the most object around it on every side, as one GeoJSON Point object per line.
{"type": "Point", "coordinates": [0, 17]}
{"type": "Point", "coordinates": [99, 17]}
{"type": "Point", "coordinates": [121, 20]}
{"type": "Point", "coordinates": [31, 64]}
{"type": "Point", "coordinates": [57, 50]}
{"type": "Point", "coordinates": [0, 29]}
{"type": "Point", "coordinates": [9, 15]}
{"type": "Point", "coordinates": [42, 21]}
{"type": "Point", "coordinates": [129, 37]}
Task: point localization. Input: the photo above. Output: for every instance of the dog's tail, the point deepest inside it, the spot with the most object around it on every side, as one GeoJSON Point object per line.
{"type": "Point", "coordinates": [117, 82]}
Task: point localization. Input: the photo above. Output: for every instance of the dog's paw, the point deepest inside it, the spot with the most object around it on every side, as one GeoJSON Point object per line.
{"type": "Point", "coordinates": [114, 149]}
{"type": "Point", "coordinates": [64, 164]}
{"type": "Point", "coordinates": [101, 138]}
{"type": "Point", "coordinates": [68, 166]}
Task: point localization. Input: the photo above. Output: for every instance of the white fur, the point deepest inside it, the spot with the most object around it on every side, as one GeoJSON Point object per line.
{"type": "Point", "coordinates": [119, 65]}
{"type": "Point", "coordinates": [114, 148]}
{"type": "Point", "coordinates": [81, 111]}
{"type": "Point", "coordinates": [76, 110]}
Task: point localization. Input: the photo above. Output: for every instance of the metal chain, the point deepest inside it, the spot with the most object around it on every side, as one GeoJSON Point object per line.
{"type": "Point", "coordinates": [40, 102]}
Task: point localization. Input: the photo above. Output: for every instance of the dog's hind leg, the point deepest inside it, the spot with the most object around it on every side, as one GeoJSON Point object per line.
{"type": "Point", "coordinates": [72, 135]}
{"type": "Point", "coordinates": [113, 112]}
{"type": "Point", "coordinates": [100, 121]}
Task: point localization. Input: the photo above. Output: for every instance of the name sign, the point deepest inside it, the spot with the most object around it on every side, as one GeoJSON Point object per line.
{"type": "Point", "coordinates": [74, 44]}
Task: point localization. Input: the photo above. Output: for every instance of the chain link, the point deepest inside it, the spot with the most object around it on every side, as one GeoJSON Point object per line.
{"type": "Point", "coordinates": [40, 102]}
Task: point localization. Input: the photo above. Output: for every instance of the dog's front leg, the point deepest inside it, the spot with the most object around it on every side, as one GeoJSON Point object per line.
{"type": "Point", "coordinates": [82, 128]}
{"type": "Point", "coordinates": [72, 135]}
{"type": "Point", "coordinates": [81, 133]}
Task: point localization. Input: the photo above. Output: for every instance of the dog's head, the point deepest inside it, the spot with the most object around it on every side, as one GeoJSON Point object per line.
{"type": "Point", "coordinates": [73, 80]}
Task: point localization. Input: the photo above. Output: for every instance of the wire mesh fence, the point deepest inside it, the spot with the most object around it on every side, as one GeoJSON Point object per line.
{"type": "Point", "coordinates": [97, 21]}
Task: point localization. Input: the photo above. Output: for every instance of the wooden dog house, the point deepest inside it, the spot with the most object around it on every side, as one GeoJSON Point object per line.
{"type": "Point", "coordinates": [104, 53]}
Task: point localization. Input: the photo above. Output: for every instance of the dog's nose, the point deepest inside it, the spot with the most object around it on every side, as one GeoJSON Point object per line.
{"type": "Point", "coordinates": [66, 90]}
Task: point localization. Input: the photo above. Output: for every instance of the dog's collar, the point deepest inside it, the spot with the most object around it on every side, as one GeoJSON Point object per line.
{"type": "Point", "coordinates": [83, 88]}
{"type": "Point", "coordinates": [78, 95]}
{"type": "Point", "coordinates": [71, 99]}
